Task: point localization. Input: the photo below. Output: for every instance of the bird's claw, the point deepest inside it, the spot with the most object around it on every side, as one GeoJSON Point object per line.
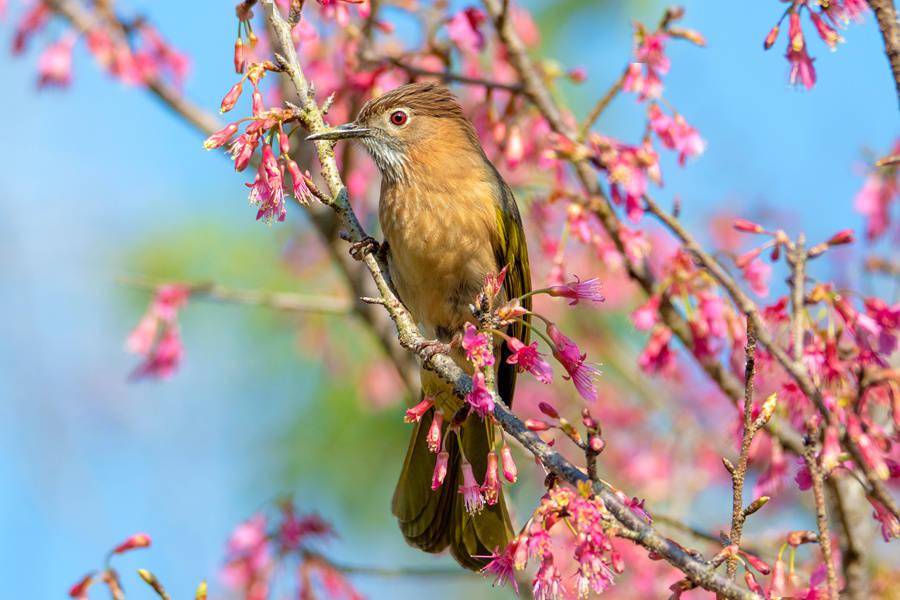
{"type": "Point", "coordinates": [430, 348]}
{"type": "Point", "coordinates": [359, 250]}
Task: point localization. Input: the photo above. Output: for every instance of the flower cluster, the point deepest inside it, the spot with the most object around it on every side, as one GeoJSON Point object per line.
{"type": "Point", "coordinates": [831, 16]}
{"type": "Point", "coordinates": [157, 337]}
{"type": "Point", "coordinates": [109, 576]}
{"type": "Point", "coordinates": [563, 511]}
{"type": "Point", "coordinates": [135, 54]}
{"type": "Point", "coordinates": [267, 192]}
{"type": "Point", "coordinates": [261, 543]}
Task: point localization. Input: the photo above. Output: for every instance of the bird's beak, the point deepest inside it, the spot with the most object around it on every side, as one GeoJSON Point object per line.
{"type": "Point", "coordinates": [345, 131]}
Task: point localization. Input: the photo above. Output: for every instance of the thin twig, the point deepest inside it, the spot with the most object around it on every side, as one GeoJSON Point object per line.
{"type": "Point", "coordinates": [817, 477]}
{"type": "Point", "coordinates": [284, 301]}
{"type": "Point", "coordinates": [449, 76]}
{"type": "Point", "coordinates": [601, 106]}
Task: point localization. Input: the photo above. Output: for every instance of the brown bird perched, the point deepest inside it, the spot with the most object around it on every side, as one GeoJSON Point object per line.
{"type": "Point", "coordinates": [449, 220]}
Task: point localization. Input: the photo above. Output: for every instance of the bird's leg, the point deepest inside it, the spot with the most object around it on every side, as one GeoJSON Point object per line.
{"type": "Point", "coordinates": [359, 250]}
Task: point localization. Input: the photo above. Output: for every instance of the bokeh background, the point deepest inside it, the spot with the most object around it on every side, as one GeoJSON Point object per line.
{"type": "Point", "coordinates": [99, 181]}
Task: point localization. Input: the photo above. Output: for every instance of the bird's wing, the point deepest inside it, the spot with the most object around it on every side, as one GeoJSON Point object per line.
{"type": "Point", "coordinates": [511, 251]}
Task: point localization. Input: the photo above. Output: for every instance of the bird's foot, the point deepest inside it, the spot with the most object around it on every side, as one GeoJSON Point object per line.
{"type": "Point", "coordinates": [429, 348]}
{"type": "Point", "coordinates": [368, 245]}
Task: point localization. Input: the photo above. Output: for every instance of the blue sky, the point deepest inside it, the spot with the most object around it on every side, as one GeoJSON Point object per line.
{"type": "Point", "coordinates": [92, 172]}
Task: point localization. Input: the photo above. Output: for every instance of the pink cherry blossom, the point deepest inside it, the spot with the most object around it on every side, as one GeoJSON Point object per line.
{"type": "Point", "coordinates": [529, 359]}
{"type": "Point", "coordinates": [440, 470]}
{"type": "Point", "coordinates": [55, 63]}
{"type": "Point", "coordinates": [478, 347]}
{"type": "Point", "coordinates": [464, 28]}
{"type": "Point", "coordinates": [471, 490]}
{"type": "Point", "coordinates": [572, 359]}
{"type": "Point", "coordinates": [578, 290]}
{"type": "Point", "coordinates": [480, 398]}
{"type": "Point", "coordinates": [757, 274]}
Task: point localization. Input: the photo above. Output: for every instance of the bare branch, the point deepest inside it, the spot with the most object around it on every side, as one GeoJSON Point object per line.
{"type": "Point", "coordinates": [886, 14]}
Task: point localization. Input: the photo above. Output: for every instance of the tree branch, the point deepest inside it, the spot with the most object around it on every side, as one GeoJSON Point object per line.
{"type": "Point", "coordinates": [886, 14]}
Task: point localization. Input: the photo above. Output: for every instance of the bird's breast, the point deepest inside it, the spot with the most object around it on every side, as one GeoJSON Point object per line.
{"type": "Point", "coordinates": [441, 248]}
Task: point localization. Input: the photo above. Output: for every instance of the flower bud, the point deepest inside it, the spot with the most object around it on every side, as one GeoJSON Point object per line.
{"type": "Point", "coordinates": [757, 563]}
{"type": "Point", "coordinates": [440, 470]}
{"type": "Point", "coordinates": [596, 444]}
{"type": "Point", "coordinates": [548, 410]}
{"type": "Point", "coordinates": [239, 63]}
{"type": "Point", "coordinates": [258, 106]}
{"type": "Point", "coordinates": [231, 97]}
{"type": "Point", "coordinates": [752, 583]}
{"type": "Point", "coordinates": [536, 425]}
{"type": "Point", "coordinates": [79, 590]}
{"type": "Point", "coordinates": [433, 439]}
{"type": "Point", "coordinates": [510, 472]}
{"type": "Point", "coordinates": [491, 486]}
{"type": "Point", "coordinates": [414, 414]}
{"type": "Point", "coordinates": [284, 143]}
{"type": "Point", "coordinates": [200, 594]}
{"type": "Point", "coordinates": [138, 540]}
{"type": "Point", "coordinates": [756, 505]}
{"type": "Point", "coordinates": [771, 38]}
{"type": "Point", "coordinates": [841, 237]}
{"type": "Point", "coordinates": [747, 226]}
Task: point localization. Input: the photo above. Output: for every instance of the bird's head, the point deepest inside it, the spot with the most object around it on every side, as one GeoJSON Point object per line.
{"type": "Point", "coordinates": [413, 123]}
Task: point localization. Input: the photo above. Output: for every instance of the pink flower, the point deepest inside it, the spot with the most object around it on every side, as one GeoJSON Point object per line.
{"type": "Point", "coordinates": [138, 540]}
{"type": "Point", "coordinates": [890, 526]}
{"type": "Point", "coordinates": [547, 584]}
{"type": "Point", "coordinates": [169, 299]}
{"type": "Point", "coordinates": [267, 190]}
{"type": "Point", "coordinates": [478, 347]}
{"type": "Point", "coordinates": [471, 491]}
{"type": "Point", "coordinates": [242, 150]}
{"type": "Point", "coordinates": [32, 21]}
{"type": "Point", "coordinates": [870, 452]}
{"type": "Point", "coordinates": [293, 531]}
{"type": "Point", "coordinates": [55, 63]}
{"type": "Point", "coordinates": [433, 438]}
{"type": "Point", "coordinates": [578, 290]}
{"type": "Point", "coordinates": [646, 316]}
{"type": "Point", "coordinates": [502, 567]}
{"type": "Point", "coordinates": [572, 359]}
{"type": "Point", "coordinates": [510, 472]}
{"type": "Point", "coordinates": [464, 29]}
{"type": "Point", "coordinates": [440, 470]}
{"type": "Point", "coordinates": [529, 359]}
{"type": "Point", "coordinates": [480, 398]}
{"type": "Point", "coordinates": [300, 188]}
{"type": "Point", "coordinates": [414, 414]}
{"type": "Point", "coordinates": [757, 274]}
{"type": "Point", "coordinates": [141, 339]}
{"type": "Point", "coordinates": [825, 31]}
{"type": "Point", "coordinates": [874, 200]}
{"type": "Point", "coordinates": [164, 358]}
{"type": "Point", "coordinates": [221, 137]}
{"type": "Point", "coordinates": [675, 134]}
{"type": "Point", "coordinates": [772, 480]}
{"type": "Point", "coordinates": [803, 476]}
{"type": "Point", "coordinates": [802, 69]}
{"type": "Point", "coordinates": [657, 357]}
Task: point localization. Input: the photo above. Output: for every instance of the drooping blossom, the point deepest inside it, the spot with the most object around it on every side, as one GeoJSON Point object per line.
{"type": "Point", "coordinates": [657, 356]}
{"type": "Point", "coordinates": [164, 357]}
{"type": "Point", "coordinates": [572, 359]}
{"type": "Point", "coordinates": [646, 316]}
{"type": "Point", "coordinates": [471, 490]}
{"type": "Point", "coordinates": [578, 290]}
{"type": "Point", "coordinates": [502, 567]}
{"type": "Point", "coordinates": [757, 274]}
{"type": "Point", "coordinates": [510, 472]}
{"type": "Point", "coordinates": [675, 133]}
{"type": "Point", "coordinates": [55, 63]}
{"type": "Point", "coordinates": [802, 70]}
{"type": "Point", "coordinates": [547, 583]}
{"type": "Point", "coordinates": [491, 486]}
{"type": "Point", "coordinates": [464, 28]}
{"type": "Point", "coordinates": [79, 590]}
{"type": "Point", "coordinates": [876, 197]}
{"type": "Point", "coordinates": [480, 398]}
{"type": "Point", "coordinates": [433, 437]}
{"type": "Point", "coordinates": [157, 337]}
{"type": "Point", "coordinates": [267, 189]}
{"type": "Point", "coordinates": [890, 526]}
{"type": "Point", "coordinates": [478, 347]}
{"type": "Point", "coordinates": [529, 359]}
{"type": "Point", "coordinates": [440, 469]}
{"type": "Point", "coordinates": [415, 414]}
{"type": "Point", "coordinates": [645, 76]}
{"type": "Point", "coordinates": [138, 540]}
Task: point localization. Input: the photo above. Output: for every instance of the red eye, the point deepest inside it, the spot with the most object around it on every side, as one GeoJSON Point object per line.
{"type": "Point", "coordinates": [398, 117]}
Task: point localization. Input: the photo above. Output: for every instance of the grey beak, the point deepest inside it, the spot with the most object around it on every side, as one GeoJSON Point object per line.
{"type": "Point", "coordinates": [347, 130]}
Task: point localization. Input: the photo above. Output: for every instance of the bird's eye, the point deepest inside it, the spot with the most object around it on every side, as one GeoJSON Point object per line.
{"type": "Point", "coordinates": [399, 117]}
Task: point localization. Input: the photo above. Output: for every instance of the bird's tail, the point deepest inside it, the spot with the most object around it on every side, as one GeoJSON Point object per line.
{"type": "Point", "coordinates": [432, 520]}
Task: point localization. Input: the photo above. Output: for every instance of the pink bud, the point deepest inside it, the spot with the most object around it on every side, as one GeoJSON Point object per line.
{"type": "Point", "coordinates": [747, 226]}
{"type": "Point", "coordinates": [548, 410]}
{"type": "Point", "coordinates": [232, 96]}
{"type": "Point", "coordinates": [841, 237]}
{"type": "Point", "coordinates": [596, 443]}
{"type": "Point", "coordinates": [258, 106]}
{"type": "Point", "coordinates": [771, 38]}
{"type": "Point", "coordinates": [578, 74]}
{"type": "Point", "coordinates": [221, 137]}
{"type": "Point", "coordinates": [491, 487]}
{"type": "Point", "coordinates": [746, 258]}
{"type": "Point", "coordinates": [433, 439]}
{"type": "Point", "coordinates": [284, 143]}
{"type": "Point", "coordinates": [510, 473]}
{"type": "Point", "coordinates": [751, 583]}
{"type": "Point", "coordinates": [440, 470]}
{"type": "Point", "coordinates": [239, 56]}
{"type": "Point", "coordinates": [536, 425]}
{"type": "Point", "coordinates": [757, 563]}
{"type": "Point", "coordinates": [138, 540]}
{"type": "Point", "coordinates": [79, 590]}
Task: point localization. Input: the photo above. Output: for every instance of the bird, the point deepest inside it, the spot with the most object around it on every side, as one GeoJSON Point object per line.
{"type": "Point", "coordinates": [449, 221]}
